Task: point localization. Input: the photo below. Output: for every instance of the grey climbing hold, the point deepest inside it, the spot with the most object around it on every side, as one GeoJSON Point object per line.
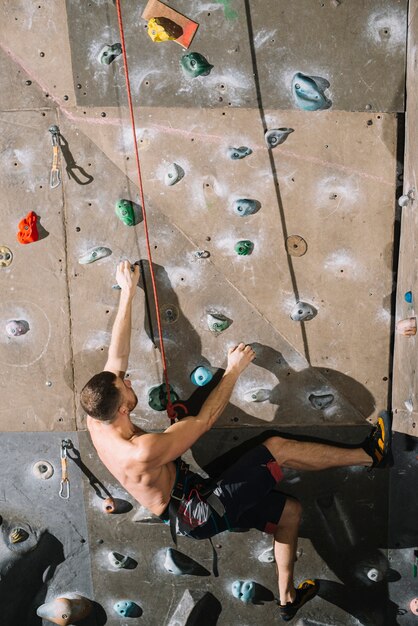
{"type": "Point", "coordinates": [100, 252]}
{"type": "Point", "coordinates": [109, 53]}
{"type": "Point", "coordinates": [173, 174]}
{"type": "Point", "coordinates": [120, 561]}
{"type": "Point", "coordinates": [239, 153]}
{"type": "Point", "coordinates": [16, 328]}
{"type": "Point", "coordinates": [244, 590]}
{"type": "Point", "coordinates": [276, 136]}
{"type": "Point", "coordinates": [169, 313]}
{"type": "Point", "coordinates": [43, 470]}
{"type": "Point", "coordinates": [127, 608]}
{"type": "Point", "coordinates": [321, 401]}
{"type": "Point", "coordinates": [202, 254]}
{"type": "Point", "coordinates": [257, 395]}
{"type": "Point", "coordinates": [180, 564]}
{"type": "Point", "coordinates": [217, 322]}
{"type": "Point", "coordinates": [303, 312]}
{"type": "Point", "coordinates": [375, 575]}
{"type": "Point", "coordinates": [245, 206]}
{"type": "Point", "coordinates": [267, 556]}
{"type": "Point", "coordinates": [409, 405]}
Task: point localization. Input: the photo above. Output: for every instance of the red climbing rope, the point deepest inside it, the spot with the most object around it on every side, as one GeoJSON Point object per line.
{"type": "Point", "coordinates": [170, 409]}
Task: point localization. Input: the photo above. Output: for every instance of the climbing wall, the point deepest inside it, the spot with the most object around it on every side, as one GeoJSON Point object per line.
{"type": "Point", "coordinates": [315, 198]}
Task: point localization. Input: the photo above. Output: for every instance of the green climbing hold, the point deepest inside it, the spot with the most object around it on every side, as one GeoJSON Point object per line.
{"type": "Point", "coordinates": [244, 247]}
{"type": "Point", "coordinates": [157, 397]}
{"type": "Point", "coordinates": [124, 209]}
{"type": "Point", "coordinates": [218, 322]}
{"type": "Point", "coordinates": [195, 64]}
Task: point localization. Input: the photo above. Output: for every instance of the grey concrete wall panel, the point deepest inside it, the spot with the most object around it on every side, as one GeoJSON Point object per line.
{"type": "Point", "coordinates": [343, 535]}
{"type": "Point", "coordinates": [285, 40]}
{"type": "Point", "coordinates": [404, 394]}
{"type": "Point", "coordinates": [34, 286]}
{"type": "Point", "coordinates": [59, 561]}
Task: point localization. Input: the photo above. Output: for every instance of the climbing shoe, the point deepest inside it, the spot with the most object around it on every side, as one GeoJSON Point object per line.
{"type": "Point", "coordinates": [305, 591]}
{"type": "Point", "coordinates": [378, 443]}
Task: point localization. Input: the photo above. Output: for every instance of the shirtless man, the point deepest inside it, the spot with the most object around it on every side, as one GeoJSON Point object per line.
{"type": "Point", "coordinates": [149, 467]}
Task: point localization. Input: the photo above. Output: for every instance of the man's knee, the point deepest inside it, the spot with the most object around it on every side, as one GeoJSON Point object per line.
{"type": "Point", "coordinates": [292, 513]}
{"type": "Point", "coordinates": [274, 445]}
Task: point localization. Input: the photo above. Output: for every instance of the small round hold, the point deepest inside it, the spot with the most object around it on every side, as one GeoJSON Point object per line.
{"type": "Point", "coordinates": [404, 201]}
{"type": "Point", "coordinates": [368, 107]}
{"type": "Point", "coordinates": [173, 174]}
{"type": "Point", "coordinates": [6, 256]}
{"type": "Point", "coordinates": [296, 245]}
{"type": "Point", "coordinates": [43, 470]}
{"type": "Point", "coordinates": [103, 114]}
{"type": "Point", "coordinates": [413, 605]}
{"type": "Point", "coordinates": [408, 296]}
{"type": "Point", "coordinates": [16, 328]}
{"type": "Point", "coordinates": [375, 575]}
{"type": "Point", "coordinates": [109, 505]}
{"type": "Point", "coordinates": [42, 54]}
{"type": "Point", "coordinates": [48, 383]}
{"type": "Point", "coordinates": [407, 327]}
{"type": "Point", "coordinates": [78, 86]}
{"type": "Point", "coordinates": [65, 98]}
{"type": "Point", "coordinates": [302, 312]}
{"type": "Point", "coordinates": [28, 82]}
{"type": "Point", "coordinates": [170, 313]}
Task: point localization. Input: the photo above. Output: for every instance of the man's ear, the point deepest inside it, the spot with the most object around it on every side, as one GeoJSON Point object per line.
{"type": "Point", "coordinates": [123, 409]}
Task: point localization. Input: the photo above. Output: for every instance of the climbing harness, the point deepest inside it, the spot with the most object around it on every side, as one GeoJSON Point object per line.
{"type": "Point", "coordinates": [64, 491]}
{"type": "Point", "coordinates": [55, 176]}
{"type": "Point", "coordinates": [170, 411]}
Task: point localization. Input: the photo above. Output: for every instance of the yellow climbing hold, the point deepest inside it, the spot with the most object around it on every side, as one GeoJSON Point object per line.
{"type": "Point", "coordinates": [160, 29]}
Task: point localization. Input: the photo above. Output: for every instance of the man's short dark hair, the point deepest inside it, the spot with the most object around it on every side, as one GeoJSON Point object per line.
{"type": "Point", "coordinates": [100, 398]}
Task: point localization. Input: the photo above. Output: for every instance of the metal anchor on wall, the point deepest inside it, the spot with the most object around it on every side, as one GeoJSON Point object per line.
{"type": "Point", "coordinates": [55, 176]}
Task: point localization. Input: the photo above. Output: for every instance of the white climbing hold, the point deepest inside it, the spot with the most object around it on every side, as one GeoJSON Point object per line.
{"type": "Point", "coordinates": [257, 395]}
{"type": "Point", "coordinates": [303, 312]}
{"type": "Point", "coordinates": [267, 556]}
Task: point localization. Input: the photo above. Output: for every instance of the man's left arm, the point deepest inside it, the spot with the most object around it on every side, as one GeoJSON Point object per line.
{"type": "Point", "coordinates": [120, 344]}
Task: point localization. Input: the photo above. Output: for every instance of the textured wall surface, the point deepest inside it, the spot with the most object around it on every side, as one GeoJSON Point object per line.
{"type": "Point", "coordinates": [333, 182]}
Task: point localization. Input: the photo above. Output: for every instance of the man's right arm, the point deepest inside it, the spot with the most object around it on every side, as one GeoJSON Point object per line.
{"type": "Point", "coordinates": [160, 448]}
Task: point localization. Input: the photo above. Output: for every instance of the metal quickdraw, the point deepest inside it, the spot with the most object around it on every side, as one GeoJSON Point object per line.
{"type": "Point", "coordinates": [64, 491]}
{"type": "Point", "coordinates": [55, 176]}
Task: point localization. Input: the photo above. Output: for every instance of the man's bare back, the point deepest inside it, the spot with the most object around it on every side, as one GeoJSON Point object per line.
{"type": "Point", "coordinates": [151, 487]}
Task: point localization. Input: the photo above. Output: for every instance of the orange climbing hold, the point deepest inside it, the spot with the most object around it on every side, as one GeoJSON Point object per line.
{"type": "Point", "coordinates": [28, 232]}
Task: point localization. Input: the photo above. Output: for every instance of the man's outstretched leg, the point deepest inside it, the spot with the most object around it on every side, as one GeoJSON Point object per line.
{"type": "Point", "coordinates": [300, 455]}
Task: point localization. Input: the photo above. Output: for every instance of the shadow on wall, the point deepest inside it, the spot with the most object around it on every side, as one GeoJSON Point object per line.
{"type": "Point", "coordinates": [25, 573]}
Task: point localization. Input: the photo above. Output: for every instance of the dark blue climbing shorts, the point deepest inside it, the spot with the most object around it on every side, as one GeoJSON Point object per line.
{"type": "Point", "coordinates": [246, 491]}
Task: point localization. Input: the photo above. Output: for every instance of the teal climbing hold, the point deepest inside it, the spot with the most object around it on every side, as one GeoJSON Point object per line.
{"type": "Point", "coordinates": [408, 297]}
{"type": "Point", "coordinates": [127, 608]}
{"type": "Point", "coordinates": [124, 209]}
{"type": "Point", "coordinates": [277, 136]}
{"type": "Point", "coordinates": [244, 247]}
{"type": "Point", "coordinates": [239, 153]}
{"type": "Point", "coordinates": [158, 399]}
{"type": "Point", "coordinates": [100, 252]}
{"type": "Point", "coordinates": [217, 322]}
{"type": "Point", "coordinates": [308, 92]}
{"type": "Point", "coordinates": [244, 590]}
{"type": "Point", "coordinates": [195, 64]}
{"type": "Point", "coordinates": [245, 206]}
{"type": "Point", "coordinates": [321, 401]}
{"type": "Point", "coordinates": [109, 53]}
{"type": "Point", "coordinates": [201, 376]}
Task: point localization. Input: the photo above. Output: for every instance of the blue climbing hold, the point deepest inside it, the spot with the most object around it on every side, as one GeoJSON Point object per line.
{"type": "Point", "coordinates": [245, 206]}
{"type": "Point", "coordinates": [408, 297]}
{"type": "Point", "coordinates": [244, 590]}
{"type": "Point", "coordinates": [308, 92]}
{"type": "Point", "coordinates": [201, 376]}
{"type": "Point", "coordinates": [127, 608]}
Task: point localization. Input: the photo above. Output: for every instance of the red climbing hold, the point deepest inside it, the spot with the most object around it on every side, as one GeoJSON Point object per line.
{"type": "Point", "coordinates": [28, 232]}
